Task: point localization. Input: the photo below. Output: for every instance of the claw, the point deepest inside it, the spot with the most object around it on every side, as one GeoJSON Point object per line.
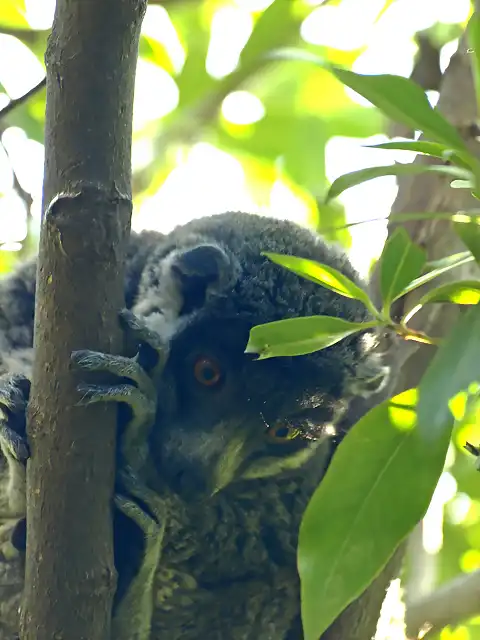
{"type": "Point", "coordinates": [134, 609]}
{"type": "Point", "coordinates": [143, 409]}
{"type": "Point", "coordinates": [133, 441]}
{"type": "Point", "coordinates": [12, 443]}
{"type": "Point", "coordinates": [136, 489]}
{"type": "Point", "coordinates": [14, 392]}
{"type": "Point", "coordinates": [134, 512]}
{"type": "Point", "coordinates": [117, 365]}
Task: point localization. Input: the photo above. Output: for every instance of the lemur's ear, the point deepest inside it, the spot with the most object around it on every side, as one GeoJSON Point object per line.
{"type": "Point", "coordinates": [182, 281]}
{"type": "Point", "coordinates": [205, 266]}
{"type": "Point", "coordinates": [204, 262]}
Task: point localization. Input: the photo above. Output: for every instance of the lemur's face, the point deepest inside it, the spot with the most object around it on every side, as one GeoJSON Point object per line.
{"type": "Point", "coordinates": [231, 417]}
{"type": "Point", "coordinates": [234, 418]}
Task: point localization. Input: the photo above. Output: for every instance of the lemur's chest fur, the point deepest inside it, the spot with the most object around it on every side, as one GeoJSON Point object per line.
{"type": "Point", "coordinates": [228, 567]}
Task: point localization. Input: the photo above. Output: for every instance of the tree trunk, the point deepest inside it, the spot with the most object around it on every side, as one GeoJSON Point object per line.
{"type": "Point", "coordinates": [91, 60]}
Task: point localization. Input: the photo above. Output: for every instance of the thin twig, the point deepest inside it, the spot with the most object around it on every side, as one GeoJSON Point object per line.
{"type": "Point", "coordinates": [13, 104]}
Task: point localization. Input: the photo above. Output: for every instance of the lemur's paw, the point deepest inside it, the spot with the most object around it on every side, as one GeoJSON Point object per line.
{"type": "Point", "coordinates": [14, 394]}
{"type": "Point", "coordinates": [134, 598]}
{"type": "Point", "coordinates": [143, 506]}
{"type": "Point", "coordinates": [135, 390]}
{"type": "Point", "coordinates": [139, 394]}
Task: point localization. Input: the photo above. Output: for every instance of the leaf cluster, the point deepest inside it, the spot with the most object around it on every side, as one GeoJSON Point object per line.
{"type": "Point", "coordinates": [383, 475]}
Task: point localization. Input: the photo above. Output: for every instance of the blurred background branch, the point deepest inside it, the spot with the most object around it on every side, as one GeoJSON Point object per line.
{"type": "Point", "coordinates": [454, 602]}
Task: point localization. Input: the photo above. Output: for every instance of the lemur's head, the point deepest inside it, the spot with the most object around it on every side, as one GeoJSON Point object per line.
{"type": "Point", "coordinates": [232, 417]}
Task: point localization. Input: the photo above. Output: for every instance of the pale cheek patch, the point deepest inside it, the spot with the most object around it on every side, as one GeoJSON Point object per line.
{"type": "Point", "coordinates": [162, 295]}
{"type": "Point", "coordinates": [159, 306]}
{"type": "Point", "coordinates": [166, 326]}
{"type": "Point", "coordinates": [272, 466]}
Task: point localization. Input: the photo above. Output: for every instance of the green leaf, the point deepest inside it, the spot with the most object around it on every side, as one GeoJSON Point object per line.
{"type": "Point", "coordinates": [354, 178]}
{"type": "Point", "coordinates": [437, 267]}
{"type": "Point", "coordinates": [299, 336]}
{"type": "Point", "coordinates": [378, 486]}
{"type": "Point", "coordinates": [400, 263]}
{"type": "Point", "coordinates": [449, 262]}
{"type": "Point", "coordinates": [459, 292]}
{"type": "Point", "coordinates": [404, 101]}
{"type": "Point", "coordinates": [455, 365]}
{"type": "Point", "coordinates": [303, 150]}
{"type": "Point", "coordinates": [321, 274]}
{"type": "Point", "coordinates": [194, 83]}
{"type": "Point", "coordinates": [473, 32]}
{"type": "Point", "coordinates": [434, 149]}
{"type": "Point", "coordinates": [276, 25]}
{"type": "Point", "coordinates": [331, 223]}
{"type": "Point", "coordinates": [469, 233]}
{"type": "Point", "coordinates": [398, 98]}
{"type": "Point", "coordinates": [463, 184]}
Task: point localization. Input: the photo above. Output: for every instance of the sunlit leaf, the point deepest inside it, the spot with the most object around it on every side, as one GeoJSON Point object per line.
{"type": "Point", "coordinates": [455, 365]}
{"type": "Point", "coordinates": [434, 149]}
{"type": "Point", "coordinates": [400, 263]}
{"type": "Point", "coordinates": [304, 153]}
{"type": "Point", "coordinates": [463, 184]}
{"type": "Point", "coordinates": [277, 25]}
{"type": "Point", "coordinates": [331, 223]}
{"type": "Point", "coordinates": [408, 217]}
{"type": "Point", "coordinates": [377, 488]}
{"type": "Point", "coordinates": [13, 15]}
{"type": "Point", "coordinates": [437, 267]}
{"type": "Point", "coordinates": [397, 97]}
{"type": "Point", "coordinates": [156, 52]}
{"type": "Point", "coordinates": [460, 292]}
{"type": "Point", "coordinates": [299, 336]}
{"type": "Point", "coordinates": [354, 121]}
{"type": "Point", "coordinates": [299, 140]}
{"type": "Point", "coordinates": [194, 82]}
{"type": "Point", "coordinates": [265, 138]}
{"type": "Point", "coordinates": [404, 101]}
{"type": "Point", "coordinates": [354, 178]}
{"type": "Point", "coordinates": [473, 31]}
{"type": "Point", "coordinates": [321, 274]}
{"type": "Point", "coordinates": [469, 233]}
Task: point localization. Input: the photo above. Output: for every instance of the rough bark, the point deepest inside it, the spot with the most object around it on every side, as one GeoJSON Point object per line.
{"type": "Point", "coordinates": [91, 61]}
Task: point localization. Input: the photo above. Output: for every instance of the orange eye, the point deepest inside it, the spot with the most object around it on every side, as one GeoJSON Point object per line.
{"type": "Point", "coordinates": [282, 432]}
{"type": "Point", "coordinates": [207, 371]}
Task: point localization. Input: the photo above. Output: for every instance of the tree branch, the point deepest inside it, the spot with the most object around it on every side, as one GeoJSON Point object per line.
{"type": "Point", "coordinates": [13, 104]}
{"type": "Point", "coordinates": [450, 604]}
{"type": "Point", "coordinates": [91, 60]}
{"type": "Point", "coordinates": [428, 193]}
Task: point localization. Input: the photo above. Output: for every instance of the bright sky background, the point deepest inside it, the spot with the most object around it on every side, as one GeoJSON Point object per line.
{"type": "Point", "coordinates": [207, 180]}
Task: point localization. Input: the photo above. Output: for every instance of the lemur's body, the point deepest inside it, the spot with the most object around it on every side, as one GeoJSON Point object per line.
{"type": "Point", "coordinates": [228, 484]}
